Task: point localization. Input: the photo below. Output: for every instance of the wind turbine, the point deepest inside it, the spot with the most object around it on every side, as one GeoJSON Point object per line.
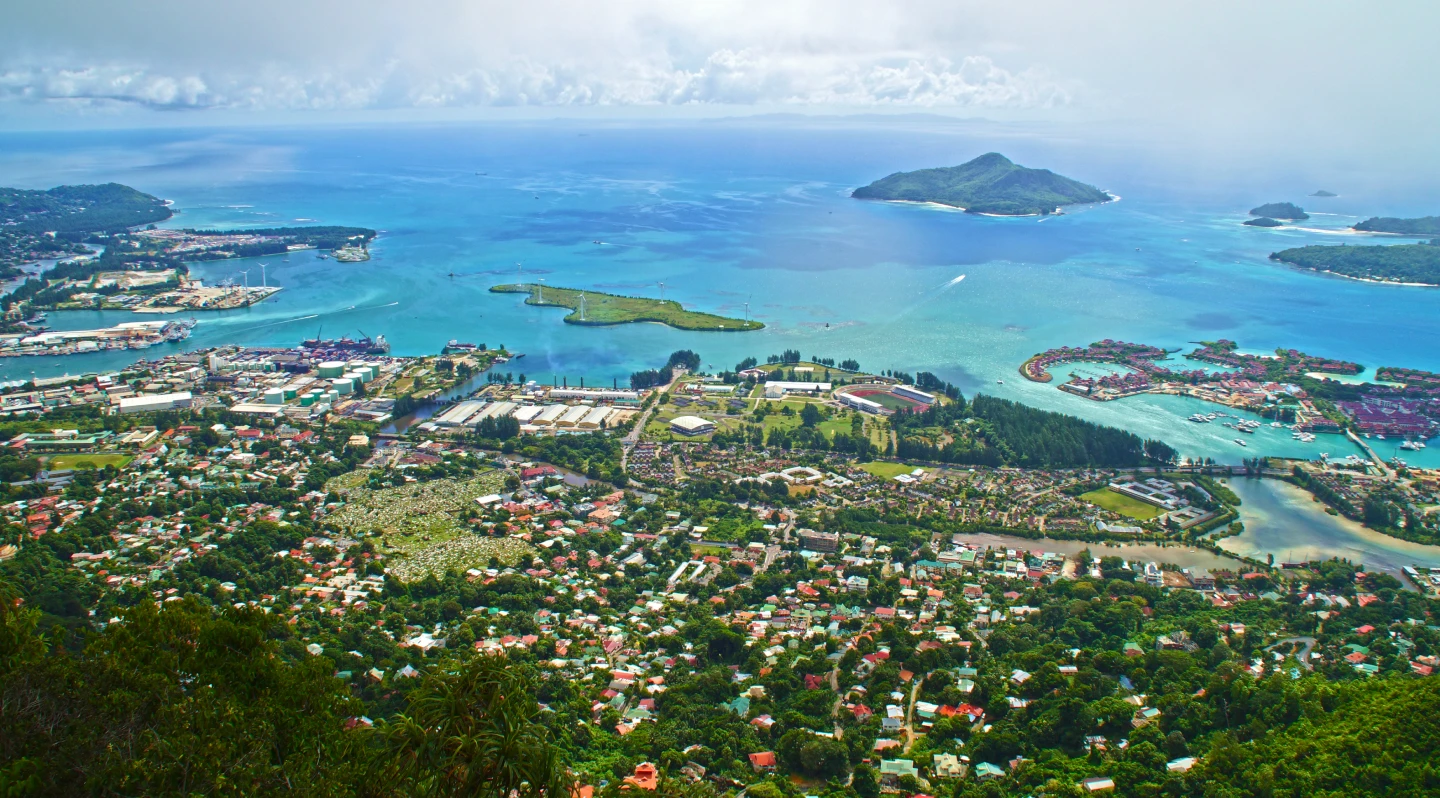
{"type": "Point", "coordinates": [582, 305]}
{"type": "Point", "coordinates": [662, 290]}
{"type": "Point", "coordinates": [262, 274]}
{"type": "Point", "coordinates": [541, 298]}
{"type": "Point", "coordinates": [518, 271]}
{"type": "Point", "coordinates": [245, 274]}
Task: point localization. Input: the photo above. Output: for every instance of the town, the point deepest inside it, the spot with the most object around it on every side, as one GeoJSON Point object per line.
{"type": "Point", "coordinates": [717, 578]}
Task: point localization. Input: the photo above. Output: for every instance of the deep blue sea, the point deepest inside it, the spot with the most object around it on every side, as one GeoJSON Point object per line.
{"type": "Point", "coordinates": [728, 212]}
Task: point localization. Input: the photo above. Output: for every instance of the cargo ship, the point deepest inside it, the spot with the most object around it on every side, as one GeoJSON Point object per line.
{"type": "Point", "coordinates": [364, 344]}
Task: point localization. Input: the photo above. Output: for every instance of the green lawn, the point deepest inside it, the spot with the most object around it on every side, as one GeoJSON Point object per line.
{"type": "Point", "coordinates": [1124, 505]}
{"type": "Point", "coordinates": [61, 462]}
{"type": "Point", "coordinates": [887, 470]}
{"type": "Point", "coordinates": [603, 309]}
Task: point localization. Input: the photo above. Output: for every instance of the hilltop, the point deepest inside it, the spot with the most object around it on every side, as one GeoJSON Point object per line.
{"type": "Point", "coordinates": [1280, 210]}
{"type": "Point", "coordinates": [990, 184]}
{"type": "Point", "coordinates": [109, 207]}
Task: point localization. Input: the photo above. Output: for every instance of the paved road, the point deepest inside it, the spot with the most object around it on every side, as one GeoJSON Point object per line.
{"type": "Point", "coordinates": [633, 436]}
{"type": "Point", "coordinates": [910, 713]}
{"type": "Point", "coordinates": [1307, 645]}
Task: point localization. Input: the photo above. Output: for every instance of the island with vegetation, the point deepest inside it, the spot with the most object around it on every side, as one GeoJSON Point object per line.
{"type": "Point", "coordinates": [42, 225]}
{"type": "Point", "coordinates": [601, 309]}
{"type": "Point", "coordinates": [1405, 264]}
{"type": "Point", "coordinates": [1288, 211]}
{"type": "Point", "coordinates": [1422, 226]}
{"type": "Point", "coordinates": [1263, 221]}
{"type": "Point", "coordinates": [1323, 193]}
{"type": "Point", "coordinates": [990, 184]}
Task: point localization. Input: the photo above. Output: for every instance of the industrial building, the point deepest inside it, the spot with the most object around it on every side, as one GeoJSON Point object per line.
{"type": "Point", "coordinates": [149, 403]}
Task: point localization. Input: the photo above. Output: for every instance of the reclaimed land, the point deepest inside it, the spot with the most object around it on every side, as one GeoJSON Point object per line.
{"type": "Point", "coordinates": [605, 309]}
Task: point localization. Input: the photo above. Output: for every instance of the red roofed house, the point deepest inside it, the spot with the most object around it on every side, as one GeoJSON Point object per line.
{"type": "Point", "coordinates": [645, 777]}
{"type": "Point", "coordinates": [764, 760]}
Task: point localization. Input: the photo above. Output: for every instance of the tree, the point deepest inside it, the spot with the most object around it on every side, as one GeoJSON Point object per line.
{"type": "Point", "coordinates": [810, 415]}
{"type": "Point", "coordinates": [475, 732]}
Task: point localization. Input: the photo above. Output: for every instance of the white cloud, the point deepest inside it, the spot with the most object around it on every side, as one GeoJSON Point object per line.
{"type": "Point", "coordinates": [730, 77]}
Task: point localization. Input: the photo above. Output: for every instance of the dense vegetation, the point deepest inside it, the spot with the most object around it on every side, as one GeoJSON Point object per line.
{"type": "Point", "coordinates": [110, 207]}
{"type": "Point", "coordinates": [49, 289]}
{"type": "Point", "coordinates": [191, 700]}
{"type": "Point", "coordinates": [603, 309]}
{"type": "Point", "coordinates": [995, 432]}
{"type": "Point", "coordinates": [1423, 226]}
{"type": "Point", "coordinates": [1263, 221]}
{"type": "Point", "coordinates": [1400, 263]}
{"type": "Point", "coordinates": [1281, 210]}
{"type": "Point", "coordinates": [989, 184]}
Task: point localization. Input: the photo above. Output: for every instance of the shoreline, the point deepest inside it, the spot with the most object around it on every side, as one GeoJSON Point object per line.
{"type": "Point", "coordinates": [1371, 280]}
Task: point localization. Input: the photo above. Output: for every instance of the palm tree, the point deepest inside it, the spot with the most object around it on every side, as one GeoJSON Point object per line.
{"type": "Point", "coordinates": [475, 732]}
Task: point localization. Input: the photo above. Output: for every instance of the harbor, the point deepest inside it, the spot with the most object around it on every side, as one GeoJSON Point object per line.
{"type": "Point", "coordinates": [123, 336]}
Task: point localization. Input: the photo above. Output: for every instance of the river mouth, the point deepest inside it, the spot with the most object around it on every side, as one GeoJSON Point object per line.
{"type": "Point", "coordinates": [1284, 521]}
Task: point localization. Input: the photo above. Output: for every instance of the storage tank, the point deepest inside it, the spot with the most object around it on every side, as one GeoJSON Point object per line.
{"type": "Point", "coordinates": [275, 396]}
{"type": "Point", "coordinates": [307, 400]}
{"type": "Point", "coordinates": [332, 368]}
{"type": "Point", "coordinates": [341, 385]}
{"type": "Point", "coordinates": [355, 377]}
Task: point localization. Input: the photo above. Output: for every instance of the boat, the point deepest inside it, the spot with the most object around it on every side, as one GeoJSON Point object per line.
{"type": "Point", "coordinates": [999, 382]}
{"type": "Point", "coordinates": [1242, 443]}
{"type": "Point", "coordinates": [1412, 446]}
{"type": "Point", "coordinates": [365, 344]}
{"type": "Point", "coordinates": [454, 345]}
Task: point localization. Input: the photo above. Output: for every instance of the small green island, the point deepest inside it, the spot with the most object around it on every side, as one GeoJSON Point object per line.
{"type": "Point", "coordinates": [990, 184]}
{"type": "Point", "coordinates": [1422, 226]}
{"type": "Point", "coordinates": [601, 309]}
{"type": "Point", "coordinates": [1402, 264]}
{"type": "Point", "coordinates": [1263, 221]}
{"type": "Point", "coordinates": [1281, 210]}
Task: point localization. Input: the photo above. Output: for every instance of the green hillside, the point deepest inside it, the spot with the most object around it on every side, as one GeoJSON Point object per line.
{"type": "Point", "coordinates": [990, 184]}
{"type": "Point", "coordinates": [110, 207]}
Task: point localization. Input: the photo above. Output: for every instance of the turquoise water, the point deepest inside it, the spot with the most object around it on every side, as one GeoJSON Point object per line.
{"type": "Point", "coordinates": [726, 214]}
{"type": "Point", "coordinates": [1284, 521]}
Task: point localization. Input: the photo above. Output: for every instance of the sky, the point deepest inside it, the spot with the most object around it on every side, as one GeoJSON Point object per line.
{"type": "Point", "coordinates": [1322, 71]}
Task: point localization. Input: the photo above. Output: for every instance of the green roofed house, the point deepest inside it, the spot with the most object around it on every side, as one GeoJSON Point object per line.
{"type": "Point", "coordinates": [986, 771]}
{"type": "Point", "coordinates": [892, 770]}
{"type": "Point", "coordinates": [740, 706]}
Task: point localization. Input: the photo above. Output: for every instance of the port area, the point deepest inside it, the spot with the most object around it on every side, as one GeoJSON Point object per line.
{"type": "Point", "coordinates": [129, 335]}
{"type": "Point", "coordinates": [164, 291]}
{"type": "Point", "coordinates": [597, 309]}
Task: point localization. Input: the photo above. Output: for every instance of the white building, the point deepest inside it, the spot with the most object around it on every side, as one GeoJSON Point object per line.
{"type": "Point", "coordinates": [913, 393]}
{"type": "Point", "coordinates": [692, 425]}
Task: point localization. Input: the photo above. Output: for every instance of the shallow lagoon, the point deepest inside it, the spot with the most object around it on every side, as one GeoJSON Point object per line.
{"type": "Point", "coordinates": [729, 213]}
{"type": "Point", "coordinates": [1284, 521]}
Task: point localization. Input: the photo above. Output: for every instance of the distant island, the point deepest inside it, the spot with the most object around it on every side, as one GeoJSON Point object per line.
{"type": "Point", "coordinates": [1281, 210]}
{"type": "Point", "coordinates": [1405, 264]}
{"type": "Point", "coordinates": [1323, 193]}
{"type": "Point", "coordinates": [602, 309]}
{"type": "Point", "coordinates": [1263, 221]}
{"type": "Point", "coordinates": [990, 184]}
{"type": "Point", "coordinates": [1423, 226]}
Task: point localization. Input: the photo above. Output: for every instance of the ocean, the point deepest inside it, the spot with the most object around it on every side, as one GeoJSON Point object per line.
{"type": "Point", "coordinates": [729, 212]}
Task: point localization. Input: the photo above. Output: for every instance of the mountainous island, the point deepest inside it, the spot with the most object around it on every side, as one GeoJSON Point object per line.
{"type": "Point", "coordinates": [1323, 193]}
{"type": "Point", "coordinates": [1422, 226]}
{"type": "Point", "coordinates": [28, 218]}
{"type": "Point", "coordinates": [1407, 264]}
{"type": "Point", "coordinates": [600, 309]}
{"type": "Point", "coordinates": [990, 184]}
{"type": "Point", "coordinates": [1281, 210]}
